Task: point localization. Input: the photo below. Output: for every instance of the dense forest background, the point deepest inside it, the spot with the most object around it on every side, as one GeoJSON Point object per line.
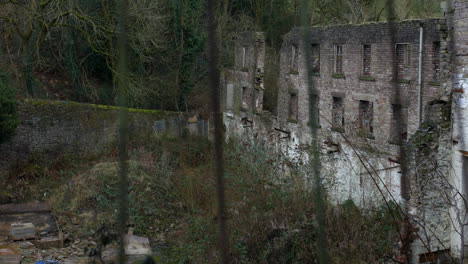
{"type": "Point", "coordinates": [66, 49]}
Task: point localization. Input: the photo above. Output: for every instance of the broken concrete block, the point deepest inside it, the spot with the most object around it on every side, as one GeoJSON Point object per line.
{"type": "Point", "coordinates": [136, 245]}
{"type": "Point", "coordinates": [47, 243]}
{"type": "Point", "coordinates": [21, 231]}
{"type": "Point", "coordinates": [10, 254]}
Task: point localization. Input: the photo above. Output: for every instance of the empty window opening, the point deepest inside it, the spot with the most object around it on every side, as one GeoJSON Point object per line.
{"type": "Point", "coordinates": [366, 60]}
{"type": "Point", "coordinates": [338, 58]}
{"type": "Point", "coordinates": [315, 58]}
{"type": "Point", "coordinates": [366, 116]}
{"type": "Point", "coordinates": [294, 58]}
{"type": "Point", "coordinates": [338, 113]}
{"type": "Point", "coordinates": [399, 124]}
{"type": "Point", "coordinates": [315, 100]}
{"type": "Point", "coordinates": [244, 57]}
{"type": "Point", "coordinates": [293, 106]}
{"type": "Point", "coordinates": [258, 100]}
{"type": "Point", "coordinates": [402, 53]}
{"type": "Point", "coordinates": [436, 60]}
{"type": "Point", "coordinates": [245, 98]}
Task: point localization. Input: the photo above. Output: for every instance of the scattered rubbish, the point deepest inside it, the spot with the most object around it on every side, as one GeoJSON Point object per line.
{"type": "Point", "coordinates": [48, 243]}
{"type": "Point", "coordinates": [47, 262]}
{"type": "Point", "coordinates": [136, 245]}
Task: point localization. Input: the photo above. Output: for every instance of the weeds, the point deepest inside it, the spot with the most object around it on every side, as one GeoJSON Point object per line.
{"type": "Point", "coordinates": [271, 215]}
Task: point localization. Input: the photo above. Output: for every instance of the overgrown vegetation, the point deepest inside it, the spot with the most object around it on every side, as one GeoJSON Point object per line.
{"type": "Point", "coordinates": [271, 214]}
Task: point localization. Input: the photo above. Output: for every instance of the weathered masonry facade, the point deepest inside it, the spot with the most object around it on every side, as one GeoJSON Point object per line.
{"type": "Point", "coordinates": [368, 112]}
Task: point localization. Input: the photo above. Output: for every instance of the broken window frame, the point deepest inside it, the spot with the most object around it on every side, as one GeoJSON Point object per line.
{"type": "Point", "coordinates": [293, 67]}
{"type": "Point", "coordinates": [338, 59]}
{"type": "Point", "coordinates": [315, 57]}
{"type": "Point", "coordinates": [293, 107]}
{"type": "Point", "coordinates": [258, 100]}
{"type": "Point", "coordinates": [400, 70]}
{"type": "Point", "coordinates": [244, 58]}
{"type": "Point", "coordinates": [338, 122]}
{"type": "Point", "coordinates": [436, 60]}
{"type": "Point", "coordinates": [366, 118]}
{"type": "Point", "coordinates": [244, 98]}
{"type": "Point", "coordinates": [365, 72]}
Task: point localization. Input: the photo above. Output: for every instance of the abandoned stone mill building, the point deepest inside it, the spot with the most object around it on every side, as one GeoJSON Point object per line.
{"type": "Point", "coordinates": [368, 113]}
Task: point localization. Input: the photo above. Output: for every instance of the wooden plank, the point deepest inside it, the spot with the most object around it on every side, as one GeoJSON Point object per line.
{"type": "Point", "coordinates": [33, 207]}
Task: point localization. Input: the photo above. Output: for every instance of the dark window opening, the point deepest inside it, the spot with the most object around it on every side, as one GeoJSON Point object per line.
{"type": "Point", "coordinates": [315, 54]}
{"type": "Point", "coordinates": [338, 113]}
{"type": "Point", "coordinates": [293, 106]}
{"type": "Point", "coordinates": [399, 124]}
{"type": "Point", "coordinates": [294, 59]}
{"type": "Point", "coordinates": [366, 117]}
{"type": "Point", "coordinates": [338, 59]}
{"type": "Point", "coordinates": [315, 101]}
{"type": "Point", "coordinates": [402, 53]}
{"type": "Point", "coordinates": [366, 60]}
{"type": "Point", "coordinates": [436, 61]}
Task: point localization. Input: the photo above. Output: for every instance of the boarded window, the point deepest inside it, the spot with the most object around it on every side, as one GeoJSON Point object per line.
{"type": "Point", "coordinates": [338, 58]}
{"type": "Point", "coordinates": [294, 59]}
{"type": "Point", "coordinates": [338, 113]}
{"type": "Point", "coordinates": [366, 60]}
{"type": "Point", "coordinates": [315, 54]}
{"type": "Point", "coordinates": [315, 101]}
{"type": "Point", "coordinates": [366, 117]}
{"type": "Point", "coordinates": [245, 98]}
{"type": "Point", "coordinates": [402, 53]}
{"type": "Point", "coordinates": [436, 60]}
{"type": "Point", "coordinates": [293, 105]}
{"type": "Point", "coordinates": [399, 124]}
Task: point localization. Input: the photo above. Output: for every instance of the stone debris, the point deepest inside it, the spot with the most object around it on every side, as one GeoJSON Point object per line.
{"type": "Point", "coordinates": [22, 231]}
{"type": "Point", "coordinates": [136, 245]}
{"type": "Point", "coordinates": [25, 245]}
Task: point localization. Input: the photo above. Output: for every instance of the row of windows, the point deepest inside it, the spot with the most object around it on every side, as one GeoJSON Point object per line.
{"type": "Point", "coordinates": [402, 54]}
{"type": "Point", "coordinates": [365, 119]}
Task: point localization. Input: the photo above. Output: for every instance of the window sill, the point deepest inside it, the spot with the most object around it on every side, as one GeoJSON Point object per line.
{"type": "Point", "coordinates": [338, 129]}
{"type": "Point", "coordinates": [293, 72]}
{"type": "Point", "coordinates": [318, 126]}
{"type": "Point", "coordinates": [403, 81]}
{"type": "Point", "coordinates": [366, 78]}
{"type": "Point", "coordinates": [338, 76]}
{"type": "Point", "coordinates": [292, 120]}
{"type": "Point", "coordinates": [434, 83]}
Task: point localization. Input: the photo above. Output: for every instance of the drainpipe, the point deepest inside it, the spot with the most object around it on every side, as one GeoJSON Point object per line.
{"type": "Point", "coordinates": [420, 103]}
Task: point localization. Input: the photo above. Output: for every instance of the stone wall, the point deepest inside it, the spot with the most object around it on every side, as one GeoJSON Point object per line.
{"type": "Point", "coordinates": [48, 129]}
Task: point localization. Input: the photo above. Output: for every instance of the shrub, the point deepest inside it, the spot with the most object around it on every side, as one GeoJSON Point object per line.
{"type": "Point", "coordinates": [8, 119]}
